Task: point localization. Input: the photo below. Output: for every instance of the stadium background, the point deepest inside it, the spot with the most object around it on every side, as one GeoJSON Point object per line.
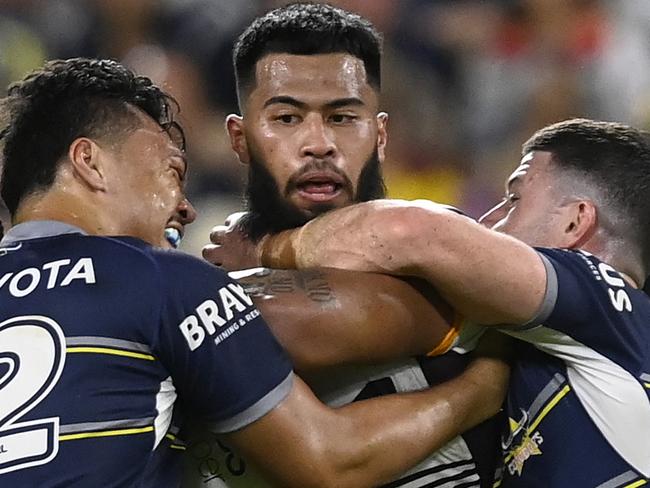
{"type": "Point", "coordinates": [465, 81]}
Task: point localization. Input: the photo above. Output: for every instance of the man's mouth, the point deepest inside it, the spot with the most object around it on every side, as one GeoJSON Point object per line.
{"type": "Point", "coordinates": [319, 186]}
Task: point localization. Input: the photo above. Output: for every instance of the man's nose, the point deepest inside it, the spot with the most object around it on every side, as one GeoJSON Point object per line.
{"type": "Point", "coordinates": [318, 139]}
{"type": "Point", "coordinates": [186, 212]}
{"type": "Point", "coordinates": [492, 216]}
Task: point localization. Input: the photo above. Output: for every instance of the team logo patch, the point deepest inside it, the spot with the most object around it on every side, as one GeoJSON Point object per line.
{"type": "Point", "coordinates": [526, 445]}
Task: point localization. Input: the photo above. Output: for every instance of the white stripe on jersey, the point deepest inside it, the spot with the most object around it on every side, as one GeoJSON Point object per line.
{"type": "Point", "coordinates": [614, 399]}
{"type": "Point", "coordinates": [165, 399]}
{"type": "Point", "coordinates": [436, 477]}
{"type": "Point", "coordinates": [451, 456]}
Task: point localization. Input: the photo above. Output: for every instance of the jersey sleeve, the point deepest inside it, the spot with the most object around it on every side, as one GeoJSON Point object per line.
{"type": "Point", "coordinates": [574, 290]}
{"type": "Point", "coordinates": [586, 303]}
{"type": "Point", "coordinates": [225, 364]}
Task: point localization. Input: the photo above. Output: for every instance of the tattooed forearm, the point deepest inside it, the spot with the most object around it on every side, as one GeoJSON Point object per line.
{"type": "Point", "coordinates": [271, 282]}
{"type": "Point", "coordinates": [316, 286]}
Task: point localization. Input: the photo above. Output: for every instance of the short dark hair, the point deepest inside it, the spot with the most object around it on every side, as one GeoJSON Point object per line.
{"type": "Point", "coordinates": [64, 100]}
{"type": "Point", "coordinates": [307, 28]}
{"type": "Point", "coordinates": [615, 159]}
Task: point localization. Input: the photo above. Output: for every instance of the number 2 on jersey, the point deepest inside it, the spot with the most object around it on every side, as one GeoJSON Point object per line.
{"type": "Point", "coordinates": [32, 354]}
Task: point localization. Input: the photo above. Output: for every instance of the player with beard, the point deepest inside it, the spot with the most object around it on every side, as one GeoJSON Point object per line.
{"type": "Point", "coordinates": [558, 264]}
{"type": "Point", "coordinates": [270, 210]}
{"type": "Point", "coordinates": [107, 341]}
{"type": "Point", "coordinates": [308, 83]}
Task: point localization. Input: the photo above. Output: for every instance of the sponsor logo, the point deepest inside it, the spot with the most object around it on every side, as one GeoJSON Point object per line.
{"type": "Point", "coordinates": [616, 291]}
{"type": "Point", "coordinates": [220, 317]}
{"type": "Point", "coordinates": [54, 274]}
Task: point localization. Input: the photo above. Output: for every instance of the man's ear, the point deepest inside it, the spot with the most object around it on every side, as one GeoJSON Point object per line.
{"type": "Point", "coordinates": [85, 157]}
{"type": "Point", "coordinates": [235, 128]}
{"type": "Point", "coordinates": [382, 135]}
{"type": "Point", "coordinates": [582, 223]}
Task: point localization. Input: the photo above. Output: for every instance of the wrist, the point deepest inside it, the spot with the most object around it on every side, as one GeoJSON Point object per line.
{"type": "Point", "coordinates": [277, 251]}
{"type": "Point", "coordinates": [488, 378]}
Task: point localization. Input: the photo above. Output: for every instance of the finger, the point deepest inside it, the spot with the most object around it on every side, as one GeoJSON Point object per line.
{"type": "Point", "coordinates": [217, 233]}
{"type": "Point", "coordinates": [212, 254]}
{"type": "Point", "coordinates": [233, 218]}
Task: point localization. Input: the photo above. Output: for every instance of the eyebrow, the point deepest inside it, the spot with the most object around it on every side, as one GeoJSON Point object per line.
{"type": "Point", "coordinates": [513, 181]}
{"type": "Point", "coordinates": [516, 176]}
{"type": "Point", "coordinates": [338, 103]}
{"type": "Point", "coordinates": [345, 102]}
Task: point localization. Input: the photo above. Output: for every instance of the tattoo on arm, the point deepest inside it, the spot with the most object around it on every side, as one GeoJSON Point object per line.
{"type": "Point", "coordinates": [268, 283]}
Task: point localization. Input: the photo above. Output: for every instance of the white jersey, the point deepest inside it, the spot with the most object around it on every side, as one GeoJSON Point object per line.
{"type": "Point", "coordinates": [466, 461]}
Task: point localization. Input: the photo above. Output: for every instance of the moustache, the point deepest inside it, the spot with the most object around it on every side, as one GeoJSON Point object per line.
{"type": "Point", "coordinates": [319, 166]}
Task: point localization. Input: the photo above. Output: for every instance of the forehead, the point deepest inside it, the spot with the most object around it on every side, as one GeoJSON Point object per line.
{"type": "Point", "coordinates": [533, 167]}
{"type": "Point", "coordinates": [338, 75]}
{"type": "Point", "coordinates": [148, 134]}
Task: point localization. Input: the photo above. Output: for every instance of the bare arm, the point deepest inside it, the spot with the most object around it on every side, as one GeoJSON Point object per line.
{"type": "Point", "coordinates": [302, 443]}
{"type": "Point", "coordinates": [487, 276]}
{"type": "Point", "coordinates": [327, 317]}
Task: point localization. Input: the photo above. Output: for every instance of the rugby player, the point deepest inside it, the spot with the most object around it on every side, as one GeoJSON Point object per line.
{"type": "Point", "coordinates": [308, 79]}
{"type": "Point", "coordinates": [105, 337]}
{"type": "Point", "coordinates": [571, 292]}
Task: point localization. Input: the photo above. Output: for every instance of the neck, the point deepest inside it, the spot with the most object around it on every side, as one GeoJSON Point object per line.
{"type": "Point", "coordinates": [66, 208]}
{"type": "Point", "coordinates": [625, 260]}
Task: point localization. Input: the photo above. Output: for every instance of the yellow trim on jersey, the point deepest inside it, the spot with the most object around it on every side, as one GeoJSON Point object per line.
{"type": "Point", "coordinates": [647, 385]}
{"type": "Point", "coordinates": [448, 341]}
{"type": "Point", "coordinates": [105, 433]}
{"type": "Point", "coordinates": [558, 396]}
{"type": "Point", "coordinates": [497, 484]}
{"type": "Point", "coordinates": [549, 407]}
{"type": "Point", "coordinates": [636, 483]}
{"type": "Point", "coordinates": [172, 438]}
{"type": "Point", "coordinates": [107, 350]}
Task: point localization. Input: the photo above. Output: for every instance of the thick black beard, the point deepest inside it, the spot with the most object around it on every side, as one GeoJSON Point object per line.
{"type": "Point", "coordinates": [269, 212]}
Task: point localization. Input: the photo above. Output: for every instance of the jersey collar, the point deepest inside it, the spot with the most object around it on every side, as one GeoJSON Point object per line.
{"type": "Point", "coordinates": [38, 228]}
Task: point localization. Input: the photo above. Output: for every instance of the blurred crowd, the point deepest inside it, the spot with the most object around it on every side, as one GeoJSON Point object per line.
{"type": "Point", "coordinates": [465, 81]}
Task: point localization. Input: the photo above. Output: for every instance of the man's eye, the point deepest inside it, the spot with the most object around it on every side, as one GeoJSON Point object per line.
{"type": "Point", "coordinates": [511, 198]}
{"type": "Point", "coordinates": [342, 118]}
{"type": "Point", "coordinates": [287, 118]}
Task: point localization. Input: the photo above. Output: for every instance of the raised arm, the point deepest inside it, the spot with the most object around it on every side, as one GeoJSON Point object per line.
{"type": "Point", "coordinates": [487, 276]}
{"type": "Point", "coordinates": [328, 317]}
{"type": "Point", "coordinates": [302, 443]}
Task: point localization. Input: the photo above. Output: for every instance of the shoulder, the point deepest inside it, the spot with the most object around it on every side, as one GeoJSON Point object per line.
{"type": "Point", "coordinates": [583, 274]}
{"type": "Point", "coordinates": [168, 262]}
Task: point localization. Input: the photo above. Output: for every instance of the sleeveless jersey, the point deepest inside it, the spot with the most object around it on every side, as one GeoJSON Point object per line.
{"type": "Point", "coordinates": [101, 339]}
{"type": "Point", "coordinates": [578, 403]}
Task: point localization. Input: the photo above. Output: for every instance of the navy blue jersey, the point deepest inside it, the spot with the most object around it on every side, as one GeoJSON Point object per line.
{"type": "Point", "coordinates": [102, 339]}
{"type": "Point", "coordinates": [578, 404]}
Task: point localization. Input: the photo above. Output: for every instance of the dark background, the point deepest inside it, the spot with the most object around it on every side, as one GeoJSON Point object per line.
{"type": "Point", "coordinates": [465, 81]}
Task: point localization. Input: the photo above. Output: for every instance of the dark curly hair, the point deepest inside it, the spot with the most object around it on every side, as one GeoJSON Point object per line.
{"type": "Point", "coordinates": [306, 28]}
{"type": "Point", "coordinates": [64, 100]}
